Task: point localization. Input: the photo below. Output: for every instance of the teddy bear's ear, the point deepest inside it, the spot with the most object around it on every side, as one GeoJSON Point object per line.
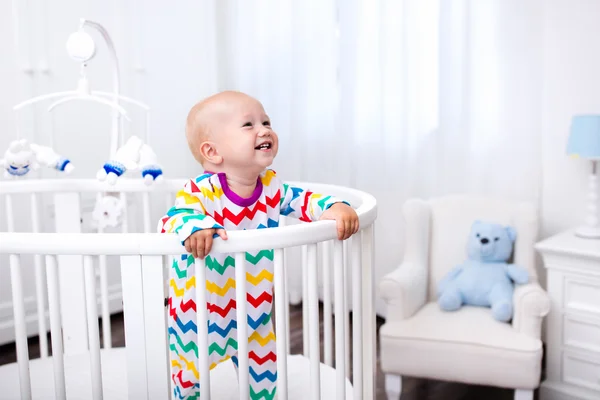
{"type": "Point", "coordinates": [512, 233]}
{"type": "Point", "coordinates": [475, 223]}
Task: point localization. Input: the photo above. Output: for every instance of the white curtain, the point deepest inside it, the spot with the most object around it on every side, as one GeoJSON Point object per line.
{"type": "Point", "coordinates": [399, 98]}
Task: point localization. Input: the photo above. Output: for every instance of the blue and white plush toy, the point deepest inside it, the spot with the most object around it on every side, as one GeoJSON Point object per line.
{"type": "Point", "coordinates": [151, 170]}
{"type": "Point", "coordinates": [47, 156]}
{"type": "Point", "coordinates": [18, 159]}
{"type": "Point", "coordinates": [133, 155]}
{"type": "Point", "coordinates": [21, 157]}
{"type": "Point", "coordinates": [485, 279]}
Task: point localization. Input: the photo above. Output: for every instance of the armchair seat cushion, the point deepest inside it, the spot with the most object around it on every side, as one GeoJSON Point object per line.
{"type": "Point", "coordinates": [467, 345]}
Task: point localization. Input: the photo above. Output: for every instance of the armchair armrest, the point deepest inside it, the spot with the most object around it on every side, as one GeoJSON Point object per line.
{"type": "Point", "coordinates": [531, 305]}
{"type": "Point", "coordinates": [404, 290]}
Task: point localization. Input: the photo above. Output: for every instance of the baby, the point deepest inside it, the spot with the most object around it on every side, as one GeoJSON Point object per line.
{"type": "Point", "coordinates": [231, 136]}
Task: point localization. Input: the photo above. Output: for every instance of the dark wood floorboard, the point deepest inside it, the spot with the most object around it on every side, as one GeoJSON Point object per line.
{"type": "Point", "coordinates": [412, 388]}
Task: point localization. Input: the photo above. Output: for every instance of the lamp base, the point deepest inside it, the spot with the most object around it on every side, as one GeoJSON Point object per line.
{"type": "Point", "coordinates": [591, 229]}
{"type": "Point", "coordinates": [588, 232]}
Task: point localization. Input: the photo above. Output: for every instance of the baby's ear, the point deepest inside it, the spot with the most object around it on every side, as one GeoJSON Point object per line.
{"type": "Point", "coordinates": [512, 233]}
{"type": "Point", "coordinates": [209, 153]}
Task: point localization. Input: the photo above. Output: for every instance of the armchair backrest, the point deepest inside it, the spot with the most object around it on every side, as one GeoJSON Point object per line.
{"type": "Point", "coordinates": [451, 218]}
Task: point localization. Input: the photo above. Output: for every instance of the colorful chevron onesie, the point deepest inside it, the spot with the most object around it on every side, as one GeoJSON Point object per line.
{"type": "Point", "coordinates": [207, 202]}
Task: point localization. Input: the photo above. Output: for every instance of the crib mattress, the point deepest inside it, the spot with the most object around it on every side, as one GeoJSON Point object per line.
{"type": "Point", "coordinates": [223, 378]}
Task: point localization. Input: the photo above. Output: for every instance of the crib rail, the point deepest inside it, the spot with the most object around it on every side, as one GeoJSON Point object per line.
{"type": "Point", "coordinates": [67, 210]}
{"type": "Point", "coordinates": [67, 198]}
{"type": "Point", "coordinates": [145, 333]}
{"type": "Point", "coordinates": [142, 257]}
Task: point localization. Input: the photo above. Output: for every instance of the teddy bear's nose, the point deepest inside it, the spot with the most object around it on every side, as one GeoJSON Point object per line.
{"type": "Point", "coordinates": [485, 240]}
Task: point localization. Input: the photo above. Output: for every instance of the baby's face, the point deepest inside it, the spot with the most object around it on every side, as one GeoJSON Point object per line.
{"type": "Point", "coordinates": [244, 137]}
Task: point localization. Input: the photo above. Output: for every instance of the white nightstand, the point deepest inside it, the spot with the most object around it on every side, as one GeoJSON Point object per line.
{"type": "Point", "coordinates": [573, 325]}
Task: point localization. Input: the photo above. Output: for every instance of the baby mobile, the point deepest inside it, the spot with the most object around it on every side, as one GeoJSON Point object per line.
{"type": "Point", "coordinates": [135, 154]}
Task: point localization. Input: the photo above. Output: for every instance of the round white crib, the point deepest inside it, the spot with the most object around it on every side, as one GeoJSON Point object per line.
{"type": "Point", "coordinates": [67, 263]}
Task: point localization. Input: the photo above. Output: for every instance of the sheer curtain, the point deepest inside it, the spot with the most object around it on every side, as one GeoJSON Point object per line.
{"type": "Point", "coordinates": [400, 98]}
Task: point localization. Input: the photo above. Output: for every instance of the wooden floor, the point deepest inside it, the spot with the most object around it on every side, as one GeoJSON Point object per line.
{"type": "Point", "coordinates": [412, 388]}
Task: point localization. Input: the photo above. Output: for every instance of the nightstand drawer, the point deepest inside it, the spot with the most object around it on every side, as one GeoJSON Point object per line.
{"type": "Point", "coordinates": [581, 370]}
{"type": "Point", "coordinates": [581, 333]}
{"type": "Point", "coordinates": [582, 294]}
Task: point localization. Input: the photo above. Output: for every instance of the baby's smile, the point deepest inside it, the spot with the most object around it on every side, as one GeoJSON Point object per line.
{"type": "Point", "coordinates": [265, 146]}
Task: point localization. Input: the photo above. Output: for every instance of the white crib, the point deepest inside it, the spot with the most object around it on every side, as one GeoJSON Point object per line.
{"type": "Point", "coordinates": [80, 369]}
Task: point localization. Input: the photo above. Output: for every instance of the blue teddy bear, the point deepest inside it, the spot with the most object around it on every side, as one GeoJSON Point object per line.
{"type": "Point", "coordinates": [485, 279]}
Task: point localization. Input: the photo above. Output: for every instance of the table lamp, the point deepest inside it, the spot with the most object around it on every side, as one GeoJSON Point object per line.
{"type": "Point", "coordinates": [584, 142]}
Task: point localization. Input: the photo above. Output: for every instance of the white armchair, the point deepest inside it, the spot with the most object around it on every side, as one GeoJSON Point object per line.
{"type": "Point", "coordinates": [418, 339]}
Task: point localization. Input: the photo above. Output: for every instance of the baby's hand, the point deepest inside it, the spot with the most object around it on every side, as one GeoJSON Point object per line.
{"type": "Point", "coordinates": [346, 218]}
{"type": "Point", "coordinates": [199, 243]}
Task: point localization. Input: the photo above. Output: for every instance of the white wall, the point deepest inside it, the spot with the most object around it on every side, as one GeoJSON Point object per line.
{"type": "Point", "coordinates": [571, 86]}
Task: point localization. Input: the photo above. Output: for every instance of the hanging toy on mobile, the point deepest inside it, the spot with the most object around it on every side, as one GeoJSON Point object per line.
{"type": "Point", "coordinates": [126, 158]}
{"type": "Point", "coordinates": [18, 159]}
{"type": "Point", "coordinates": [151, 170]}
{"type": "Point", "coordinates": [133, 155]}
{"type": "Point", "coordinates": [22, 157]}
{"type": "Point", "coordinates": [47, 156]}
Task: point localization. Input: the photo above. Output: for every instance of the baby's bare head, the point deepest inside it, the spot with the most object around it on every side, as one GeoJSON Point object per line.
{"type": "Point", "coordinates": [204, 118]}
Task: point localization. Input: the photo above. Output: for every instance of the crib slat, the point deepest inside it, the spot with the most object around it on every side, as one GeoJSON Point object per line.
{"type": "Point", "coordinates": [242, 324]}
{"type": "Point", "coordinates": [20, 327]}
{"type": "Point", "coordinates": [340, 351]}
{"type": "Point", "coordinates": [40, 294]}
{"type": "Point", "coordinates": [155, 327]}
{"type": "Point", "coordinates": [146, 211]}
{"type": "Point", "coordinates": [18, 310]}
{"type": "Point", "coordinates": [369, 323]}
{"type": "Point", "coordinates": [305, 337]}
{"type": "Point", "coordinates": [327, 325]}
{"type": "Point", "coordinates": [55, 328]}
{"type": "Point", "coordinates": [357, 322]}
{"type": "Point", "coordinates": [125, 220]}
{"type": "Point", "coordinates": [70, 274]}
{"type": "Point", "coordinates": [287, 304]}
{"type": "Point", "coordinates": [10, 220]}
{"type": "Point", "coordinates": [135, 338]}
{"type": "Point", "coordinates": [281, 326]}
{"type": "Point", "coordinates": [202, 324]}
{"type": "Point", "coordinates": [106, 324]}
{"type": "Point", "coordinates": [346, 307]}
{"type": "Point", "coordinates": [16, 282]}
{"type": "Point", "coordinates": [313, 309]}
{"type": "Point", "coordinates": [92, 321]}
{"type": "Point", "coordinates": [282, 222]}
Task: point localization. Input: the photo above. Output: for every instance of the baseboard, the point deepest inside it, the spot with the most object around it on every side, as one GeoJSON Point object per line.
{"type": "Point", "coordinates": [7, 325]}
{"type": "Point", "coordinates": [562, 391]}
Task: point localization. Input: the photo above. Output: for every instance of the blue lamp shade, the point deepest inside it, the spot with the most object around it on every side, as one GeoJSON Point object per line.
{"type": "Point", "coordinates": [584, 140]}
